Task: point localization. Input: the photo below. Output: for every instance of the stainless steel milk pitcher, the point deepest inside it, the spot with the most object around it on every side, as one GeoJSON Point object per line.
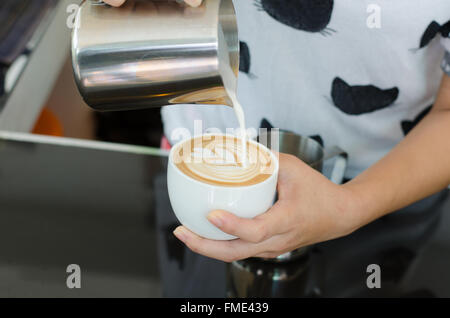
{"type": "Point", "coordinates": [152, 53]}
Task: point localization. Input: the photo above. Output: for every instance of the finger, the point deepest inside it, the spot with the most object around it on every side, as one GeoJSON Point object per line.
{"type": "Point", "coordinates": [115, 3]}
{"type": "Point", "coordinates": [193, 3]}
{"type": "Point", "coordinates": [274, 221]}
{"type": "Point", "coordinates": [270, 255]}
{"type": "Point", "coordinates": [275, 254]}
{"type": "Point", "coordinates": [227, 251]}
{"type": "Point", "coordinates": [118, 3]}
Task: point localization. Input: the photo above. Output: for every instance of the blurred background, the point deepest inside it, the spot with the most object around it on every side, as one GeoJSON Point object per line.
{"type": "Point", "coordinates": [69, 201]}
{"type": "Point", "coordinates": [37, 90]}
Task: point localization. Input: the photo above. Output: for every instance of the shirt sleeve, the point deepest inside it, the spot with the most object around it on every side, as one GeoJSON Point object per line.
{"type": "Point", "coordinates": [446, 61]}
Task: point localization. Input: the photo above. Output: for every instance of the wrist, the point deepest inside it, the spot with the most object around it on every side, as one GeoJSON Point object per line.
{"type": "Point", "coordinates": [369, 200]}
{"type": "Point", "coordinates": [343, 213]}
{"type": "Point", "coordinates": [354, 206]}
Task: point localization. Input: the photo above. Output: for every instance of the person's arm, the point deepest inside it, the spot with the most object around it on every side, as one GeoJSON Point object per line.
{"type": "Point", "coordinates": [312, 209]}
{"type": "Point", "coordinates": [416, 168]}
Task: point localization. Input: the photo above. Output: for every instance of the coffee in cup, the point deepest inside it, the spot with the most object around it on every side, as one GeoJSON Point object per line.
{"type": "Point", "coordinates": [213, 172]}
{"type": "Point", "coordinates": [220, 160]}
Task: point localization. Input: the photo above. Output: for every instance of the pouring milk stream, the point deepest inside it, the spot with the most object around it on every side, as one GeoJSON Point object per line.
{"type": "Point", "coordinates": [230, 85]}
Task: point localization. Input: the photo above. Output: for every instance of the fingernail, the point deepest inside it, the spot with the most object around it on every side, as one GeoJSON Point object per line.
{"type": "Point", "coordinates": [193, 3]}
{"type": "Point", "coordinates": [216, 219]}
{"type": "Point", "coordinates": [180, 233]}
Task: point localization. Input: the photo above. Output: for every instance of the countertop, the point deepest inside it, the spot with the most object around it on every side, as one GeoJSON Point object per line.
{"type": "Point", "coordinates": [105, 208]}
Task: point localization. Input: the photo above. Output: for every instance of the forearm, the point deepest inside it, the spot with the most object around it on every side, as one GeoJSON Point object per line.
{"type": "Point", "coordinates": [416, 168]}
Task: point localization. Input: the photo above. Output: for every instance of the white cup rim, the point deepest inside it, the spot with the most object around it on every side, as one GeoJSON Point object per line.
{"type": "Point", "coordinates": [269, 179]}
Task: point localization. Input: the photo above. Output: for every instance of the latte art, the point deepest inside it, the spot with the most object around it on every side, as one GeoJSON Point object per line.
{"type": "Point", "coordinates": [219, 160]}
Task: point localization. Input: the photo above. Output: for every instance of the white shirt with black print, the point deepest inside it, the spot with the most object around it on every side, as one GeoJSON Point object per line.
{"type": "Point", "coordinates": [359, 74]}
{"type": "Point", "coordinates": [446, 60]}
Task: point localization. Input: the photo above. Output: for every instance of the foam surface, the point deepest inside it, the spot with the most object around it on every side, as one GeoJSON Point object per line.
{"type": "Point", "coordinates": [219, 160]}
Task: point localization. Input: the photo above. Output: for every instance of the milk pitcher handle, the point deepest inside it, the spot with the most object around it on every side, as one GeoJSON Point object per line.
{"type": "Point", "coordinates": [340, 164]}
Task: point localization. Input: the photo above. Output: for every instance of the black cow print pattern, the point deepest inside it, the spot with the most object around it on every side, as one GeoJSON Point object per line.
{"type": "Point", "coordinates": [315, 16]}
{"type": "Point", "coordinates": [432, 30]}
{"type": "Point", "coordinates": [407, 125]}
{"type": "Point", "coordinates": [318, 138]}
{"type": "Point", "coordinates": [357, 100]}
{"type": "Point", "coordinates": [305, 15]}
{"type": "Point", "coordinates": [265, 124]}
{"type": "Point", "coordinates": [245, 59]}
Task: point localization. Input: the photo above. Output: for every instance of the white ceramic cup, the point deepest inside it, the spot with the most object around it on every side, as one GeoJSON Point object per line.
{"type": "Point", "coordinates": [193, 200]}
